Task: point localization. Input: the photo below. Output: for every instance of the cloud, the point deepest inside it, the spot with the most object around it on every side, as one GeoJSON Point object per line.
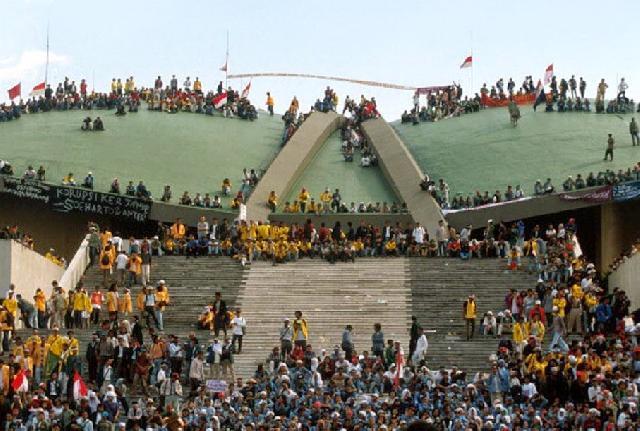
{"type": "Point", "coordinates": [29, 66]}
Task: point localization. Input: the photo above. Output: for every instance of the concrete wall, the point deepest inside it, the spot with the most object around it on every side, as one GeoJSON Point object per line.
{"type": "Point", "coordinates": [26, 269]}
{"type": "Point", "coordinates": [402, 173]}
{"type": "Point", "coordinates": [291, 161]}
{"type": "Point", "coordinates": [627, 278]}
{"type": "Point", "coordinates": [516, 210]}
{"type": "Point", "coordinates": [619, 229]}
{"type": "Point", "coordinates": [331, 219]}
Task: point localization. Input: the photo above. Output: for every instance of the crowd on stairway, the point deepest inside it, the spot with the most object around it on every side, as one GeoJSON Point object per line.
{"type": "Point", "coordinates": [331, 202]}
{"type": "Point", "coordinates": [138, 377]}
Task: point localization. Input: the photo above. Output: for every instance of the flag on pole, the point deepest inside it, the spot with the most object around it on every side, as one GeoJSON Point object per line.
{"type": "Point", "coordinates": [548, 74]}
{"type": "Point", "coordinates": [468, 62]}
{"type": "Point", "coordinates": [224, 67]}
{"type": "Point", "coordinates": [220, 100]}
{"type": "Point", "coordinates": [79, 388]}
{"type": "Point", "coordinates": [245, 92]}
{"type": "Point", "coordinates": [38, 90]}
{"type": "Point", "coordinates": [15, 91]}
{"type": "Point", "coordinates": [20, 382]}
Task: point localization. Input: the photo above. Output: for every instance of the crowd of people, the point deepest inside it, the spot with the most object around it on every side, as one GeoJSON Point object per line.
{"type": "Point", "coordinates": [14, 233]}
{"type": "Point", "coordinates": [440, 190]}
{"type": "Point", "coordinates": [139, 378]}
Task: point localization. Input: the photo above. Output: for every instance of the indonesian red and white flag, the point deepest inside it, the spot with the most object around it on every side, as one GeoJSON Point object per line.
{"type": "Point", "coordinates": [245, 92]}
{"type": "Point", "coordinates": [225, 67]}
{"type": "Point", "coordinates": [220, 100]}
{"type": "Point", "coordinates": [38, 90]}
{"type": "Point", "coordinates": [20, 382]}
{"type": "Point", "coordinates": [79, 388]}
{"type": "Point", "coordinates": [15, 91]}
{"type": "Point", "coordinates": [548, 74]}
{"type": "Point", "coordinates": [399, 367]}
{"type": "Point", "coordinates": [468, 62]}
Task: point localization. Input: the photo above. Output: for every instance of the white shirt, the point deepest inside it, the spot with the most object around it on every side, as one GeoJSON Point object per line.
{"type": "Point", "coordinates": [238, 324]}
{"type": "Point", "coordinates": [418, 234]}
{"type": "Point", "coordinates": [121, 261]}
{"type": "Point", "coordinates": [117, 242]}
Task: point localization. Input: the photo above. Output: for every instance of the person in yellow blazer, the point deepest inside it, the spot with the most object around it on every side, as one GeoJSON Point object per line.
{"type": "Point", "coordinates": [41, 307]}
{"type": "Point", "coordinates": [536, 328]}
{"type": "Point", "coordinates": [300, 330]}
{"type": "Point", "coordinates": [125, 305]}
{"type": "Point", "coordinates": [162, 300]}
{"type": "Point", "coordinates": [112, 302]}
{"type": "Point", "coordinates": [79, 305]}
{"type": "Point", "coordinates": [140, 299]}
{"type": "Point", "coordinates": [53, 351]}
{"type": "Point", "coordinates": [303, 197]}
{"type": "Point", "coordinates": [11, 305]}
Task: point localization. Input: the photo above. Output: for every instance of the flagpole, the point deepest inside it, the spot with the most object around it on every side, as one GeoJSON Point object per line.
{"type": "Point", "coordinates": [46, 67]}
{"type": "Point", "coordinates": [226, 69]}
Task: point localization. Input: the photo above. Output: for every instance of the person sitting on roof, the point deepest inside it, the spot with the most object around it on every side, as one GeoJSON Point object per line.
{"type": "Point", "coordinates": [69, 180]}
{"type": "Point", "coordinates": [98, 125]}
{"type": "Point", "coordinates": [88, 181]}
{"type": "Point", "coordinates": [86, 124]}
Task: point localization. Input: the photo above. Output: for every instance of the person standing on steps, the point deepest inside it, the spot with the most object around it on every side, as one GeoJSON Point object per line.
{"type": "Point", "coordinates": [286, 337]}
{"type": "Point", "coordinates": [610, 144]}
{"type": "Point", "coordinates": [377, 340]}
{"type": "Point", "coordinates": [347, 342]}
{"type": "Point", "coordinates": [300, 330]}
{"type": "Point", "coordinates": [239, 325]}
{"type": "Point", "coordinates": [414, 334]}
{"type": "Point", "coordinates": [220, 315]}
{"type": "Point", "coordinates": [421, 348]}
{"type": "Point", "coordinates": [469, 310]}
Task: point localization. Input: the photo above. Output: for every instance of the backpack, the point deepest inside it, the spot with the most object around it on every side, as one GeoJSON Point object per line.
{"type": "Point", "coordinates": [105, 259]}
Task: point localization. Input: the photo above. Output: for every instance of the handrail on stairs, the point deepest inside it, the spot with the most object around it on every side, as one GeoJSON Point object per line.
{"type": "Point", "coordinates": [76, 268]}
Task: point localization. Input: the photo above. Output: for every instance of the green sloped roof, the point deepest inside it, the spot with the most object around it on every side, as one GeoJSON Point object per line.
{"type": "Point", "coordinates": [356, 184]}
{"type": "Point", "coordinates": [482, 151]}
{"type": "Point", "coordinates": [191, 152]}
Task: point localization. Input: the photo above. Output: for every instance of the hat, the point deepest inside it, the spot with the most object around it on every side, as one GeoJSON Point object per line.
{"type": "Point", "coordinates": [161, 282]}
{"type": "Point", "coordinates": [538, 302]}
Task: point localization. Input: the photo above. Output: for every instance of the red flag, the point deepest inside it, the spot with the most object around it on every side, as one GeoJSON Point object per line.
{"type": "Point", "coordinates": [245, 92]}
{"type": "Point", "coordinates": [38, 90]}
{"type": "Point", "coordinates": [220, 100]}
{"type": "Point", "coordinates": [20, 382]}
{"type": "Point", "coordinates": [399, 367]}
{"type": "Point", "coordinates": [548, 74]}
{"type": "Point", "coordinates": [468, 62]}
{"type": "Point", "coordinates": [79, 388]}
{"type": "Point", "coordinates": [15, 91]}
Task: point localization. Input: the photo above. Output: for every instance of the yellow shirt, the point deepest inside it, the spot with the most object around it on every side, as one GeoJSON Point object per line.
{"type": "Point", "coordinates": [74, 346]}
{"type": "Point", "coordinates": [57, 346]}
{"type": "Point", "coordinates": [303, 197]}
{"type": "Point", "coordinates": [41, 301]}
{"type": "Point", "coordinates": [326, 197]}
{"type": "Point", "coordinates": [560, 303]}
{"type": "Point", "coordinates": [470, 310]}
{"type": "Point", "coordinates": [79, 301]}
{"type": "Point", "coordinates": [125, 303]}
{"type": "Point", "coordinates": [112, 302]}
{"type": "Point", "coordinates": [11, 305]}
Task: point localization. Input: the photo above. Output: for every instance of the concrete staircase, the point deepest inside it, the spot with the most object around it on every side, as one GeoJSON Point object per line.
{"type": "Point", "coordinates": [439, 288]}
{"type": "Point", "coordinates": [330, 297]}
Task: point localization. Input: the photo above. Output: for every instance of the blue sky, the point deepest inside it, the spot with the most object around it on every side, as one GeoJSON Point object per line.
{"type": "Point", "coordinates": [417, 43]}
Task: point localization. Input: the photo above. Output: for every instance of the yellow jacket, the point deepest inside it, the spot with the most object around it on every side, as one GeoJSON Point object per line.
{"type": "Point", "coordinates": [112, 302]}
{"type": "Point", "coordinates": [41, 301]}
{"type": "Point", "coordinates": [301, 327]}
{"type": "Point", "coordinates": [11, 305]}
{"type": "Point", "coordinates": [519, 333]}
{"type": "Point", "coordinates": [80, 301]}
{"type": "Point", "coordinates": [125, 303]}
{"type": "Point", "coordinates": [470, 310]}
